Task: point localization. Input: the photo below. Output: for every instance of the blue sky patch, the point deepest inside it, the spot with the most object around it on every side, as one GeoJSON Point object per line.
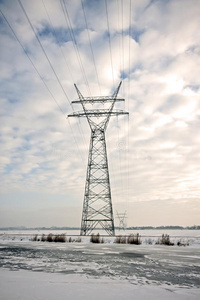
{"type": "Point", "coordinates": [136, 33]}
{"type": "Point", "coordinates": [13, 100]}
{"type": "Point", "coordinates": [60, 35]}
{"type": "Point", "coordinates": [194, 87]}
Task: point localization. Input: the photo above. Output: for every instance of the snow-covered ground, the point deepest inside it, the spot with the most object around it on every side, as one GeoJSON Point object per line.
{"type": "Point", "coordinates": [42, 270]}
{"type": "Point", "coordinates": [24, 285]}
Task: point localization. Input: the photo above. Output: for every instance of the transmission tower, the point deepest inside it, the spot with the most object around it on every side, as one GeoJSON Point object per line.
{"type": "Point", "coordinates": [122, 220]}
{"type": "Point", "coordinates": [97, 205]}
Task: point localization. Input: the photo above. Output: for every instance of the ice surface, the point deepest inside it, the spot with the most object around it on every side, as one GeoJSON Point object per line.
{"type": "Point", "coordinates": [42, 270]}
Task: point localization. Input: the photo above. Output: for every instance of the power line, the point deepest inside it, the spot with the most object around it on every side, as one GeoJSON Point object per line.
{"type": "Point", "coordinates": [75, 140]}
{"type": "Point", "coordinates": [79, 127]}
{"type": "Point", "coordinates": [122, 41]}
{"type": "Point", "coordinates": [36, 70]}
{"type": "Point", "coordinates": [119, 29]}
{"type": "Point", "coordinates": [54, 31]}
{"type": "Point", "coordinates": [129, 56]}
{"type": "Point", "coordinates": [91, 46]}
{"type": "Point", "coordinates": [120, 144]}
{"type": "Point", "coordinates": [32, 62]}
{"type": "Point", "coordinates": [66, 14]}
{"type": "Point", "coordinates": [128, 152]}
{"type": "Point", "coordinates": [29, 21]}
{"type": "Point", "coordinates": [69, 25]}
{"type": "Point", "coordinates": [120, 147]}
{"type": "Point", "coordinates": [69, 71]}
{"type": "Point", "coordinates": [125, 92]}
{"type": "Point", "coordinates": [111, 60]}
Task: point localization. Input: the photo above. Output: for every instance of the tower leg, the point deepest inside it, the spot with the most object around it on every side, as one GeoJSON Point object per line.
{"type": "Point", "coordinates": [97, 206]}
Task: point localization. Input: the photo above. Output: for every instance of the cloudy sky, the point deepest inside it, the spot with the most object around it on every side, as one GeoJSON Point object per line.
{"type": "Point", "coordinates": [154, 157]}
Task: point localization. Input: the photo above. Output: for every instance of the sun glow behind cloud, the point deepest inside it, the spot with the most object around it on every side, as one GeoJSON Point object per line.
{"type": "Point", "coordinates": [44, 155]}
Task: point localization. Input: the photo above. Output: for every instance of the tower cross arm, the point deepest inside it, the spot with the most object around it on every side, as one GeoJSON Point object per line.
{"type": "Point", "coordinates": [98, 113]}
{"type": "Point", "coordinates": [97, 100]}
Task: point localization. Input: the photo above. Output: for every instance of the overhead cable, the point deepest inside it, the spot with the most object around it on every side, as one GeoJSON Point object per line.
{"type": "Point", "coordinates": [54, 31]}
{"type": "Point", "coordinates": [37, 37]}
{"type": "Point", "coordinates": [75, 45]}
{"type": "Point", "coordinates": [111, 60]}
{"type": "Point", "coordinates": [86, 23]}
{"type": "Point", "coordinates": [31, 61]}
{"type": "Point", "coordinates": [36, 70]}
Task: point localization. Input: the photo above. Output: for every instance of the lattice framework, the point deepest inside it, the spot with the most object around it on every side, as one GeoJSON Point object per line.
{"type": "Point", "coordinates": [97, 205]}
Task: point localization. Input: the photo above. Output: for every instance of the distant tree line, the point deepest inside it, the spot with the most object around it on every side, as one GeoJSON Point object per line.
{"type": "Point", "coordinates": [39, 228]}
{"type": "Point", "coordinates": [194, 227]}
{"type": "Point", "coordinates": [164, 227]}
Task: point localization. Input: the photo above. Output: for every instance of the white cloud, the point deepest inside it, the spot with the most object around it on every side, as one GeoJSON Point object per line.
{"type": "Point", "coordinates": [41, 151]}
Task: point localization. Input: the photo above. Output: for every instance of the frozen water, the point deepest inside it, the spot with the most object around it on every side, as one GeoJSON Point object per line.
{"type": "Point", "coordinates": [149, 271]}
{"type": "Point", "coordinates": [133, 263]}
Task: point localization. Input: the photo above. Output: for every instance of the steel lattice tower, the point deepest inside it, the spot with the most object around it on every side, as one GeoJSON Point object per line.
{"type": "Point", "coordinates": [122, 220]}
{"type": "Point", "coordinates": [97, 206]}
